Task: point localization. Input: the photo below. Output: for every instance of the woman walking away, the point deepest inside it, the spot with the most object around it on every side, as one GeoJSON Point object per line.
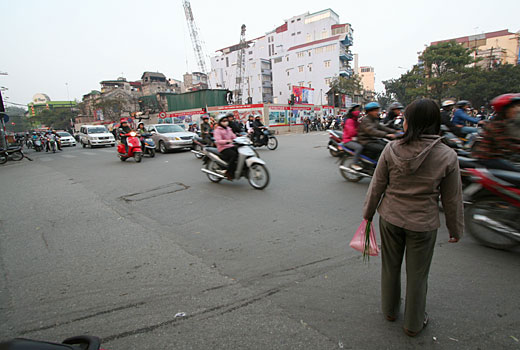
{"type": "Point", "coordinates": [411, 174]}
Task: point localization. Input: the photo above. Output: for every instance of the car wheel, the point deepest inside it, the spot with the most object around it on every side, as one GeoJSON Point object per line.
{"type": "Point", "coordinates": [162, 147]}
{"type": "Point", "coordinates": [83, 144]}
{"type": "Point", "coordinates": [89, 145]}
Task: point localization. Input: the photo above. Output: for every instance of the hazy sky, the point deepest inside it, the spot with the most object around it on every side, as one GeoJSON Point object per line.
{"type": "Point", "coordinates": [48, 43]}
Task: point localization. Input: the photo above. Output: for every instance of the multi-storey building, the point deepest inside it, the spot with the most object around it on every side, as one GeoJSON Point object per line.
{"type": "Point", "coordinates": [492, 48]}
{"type": "Point", "coordinates": [308, 50]}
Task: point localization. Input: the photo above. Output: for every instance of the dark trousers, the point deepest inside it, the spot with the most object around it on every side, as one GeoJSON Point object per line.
{"type": "Point", "coordinates": [374, 148]}
{"type": "Point", "coordinates": [418, 247]}
{"type": "Point", "coordinates": [230, 155]}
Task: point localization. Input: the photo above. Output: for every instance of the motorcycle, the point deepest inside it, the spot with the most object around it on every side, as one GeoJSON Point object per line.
{"type": "Point", "coordinates": [248, 165]}
{"type": "Point", "coordinates": [367, 163]}
{"type": "Point", "coordinates": [134, 148]}
{"type": "Point", "coordinates": [13, 152]}
{"type": "Point", "coordinates": [268, 140]}
{"type": "Point", "coordinates": [493, 207]}
{"type": "Point", "coordinates": [51, 144]}
{"type": "Point", "coordinates": [335, 138]}
{"type": "Point", "coordinates": [199, 145]}
{"type": "Point", "coordinates": [38, 146]}
{"type": "Point", "coordinates": [84, 342]}
{"type": "Point", "coordinates": [148, 145]}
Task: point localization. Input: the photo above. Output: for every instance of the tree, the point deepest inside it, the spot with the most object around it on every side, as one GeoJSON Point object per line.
{"type": "Point", "coordinates": [383, 99]}
{"type": "Point", "coordinates": [440, 67]}
{"type": "Point", "coordinates": [112, 108]}
{"type": "Point", "coordinates": [16, 116]}
{"type": "Point", "coordinates": [55, 119]}
{"type": "Point", "coordinates": [481, 85]}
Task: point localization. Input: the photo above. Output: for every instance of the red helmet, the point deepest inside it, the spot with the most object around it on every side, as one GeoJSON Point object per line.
{"type": "Point", "coordinates": [123, 120]}
{"type": "Point", "coordinates": [504, 100]}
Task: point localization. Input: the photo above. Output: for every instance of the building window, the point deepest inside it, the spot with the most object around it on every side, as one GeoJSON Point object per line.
{"type": "Point", "coordinates": [310, 67]}
{"type": "Point", "coordinates": [299, 33]}
{"type": "Point", "coordinates": [259, 77]}
{"type": "Point", "coordinates": [318, 50]}
{"type": "Point", "coordinates": [253, 65]}
{"type": "Point", "coordinates": [327, 64]}
{"type": "Point", "coordinates": [277, 60]}
{"type": "Point", "coordinates": [324, 34]}
{"type": "Point", "coordinates": [309, 84]}
{"type": "Point", "coordinates": [299, 19]}
{"type": "Point", "coordinates": [287, 58]}
{"type": "Point", "coordinates": [301, 83]}
{"type": "Point", "coordinates": [289, 87]}
{"type": "Point", "coordinates": [292, 34]}
{"type": "Point", "coordinates": [308, 38]}
{"type": "Point", "coordinates": [327, 81]}
{"type": "Point", "coordinates": [280, 93]}
{"type": "Point", "coordinates": [330, 48]}
{"type": "Point", "coordinates": [300, 54]}
{"type": "Point", "coordinates": [300, 69]}
{"type": "Point", "coordinates": [288, 72]}
{"type": "Point", "coordinates": [310, 52]}
{"type": "Point", "coordinates": [227, 61]}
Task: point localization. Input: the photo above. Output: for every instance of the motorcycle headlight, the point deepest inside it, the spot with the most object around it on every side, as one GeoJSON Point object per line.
{"type": "Point", "coordinates": [133, 134]}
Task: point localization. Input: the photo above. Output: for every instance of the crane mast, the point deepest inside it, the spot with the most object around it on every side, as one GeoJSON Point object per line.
{"type": "Point", "coordinates": [194, 34]}
{"type": "Point", "coordinates": [239, 85]}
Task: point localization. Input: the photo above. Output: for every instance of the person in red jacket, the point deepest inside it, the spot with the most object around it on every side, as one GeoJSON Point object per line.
{"type": "Point", "coordinates": [350, 130]}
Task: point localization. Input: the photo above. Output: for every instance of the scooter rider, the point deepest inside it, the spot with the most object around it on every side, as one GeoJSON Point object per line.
{"type": "Point", "coordinates": [124, 129]}
{"type": "Point", "coordinates": [395, 110]}
{"type": "Point", "coordinates": [446, 115]}
{"type": "Point", "coordinates": [371, 131]}
{"type": "Point", "coordinates": [224, 137]}
{"type": "Point", "coordinates": [233, 124]}
{"type": "Point", "coordinates": [57, 138]}
{"type": "Point", "coordinates": [141, 129]}
{"type": "Point", "coordinates": [258, 127]}
{"type": "Point", "coordinates": [350, 131]}
{"type": "Point", "coordinates": [249, 124]}
{"type": "Point", "coordinates": [205, 130]}
{"type": "Point", "coordinates": [500, 142]}
{"type": "Point", "coordinates": [460, 117]}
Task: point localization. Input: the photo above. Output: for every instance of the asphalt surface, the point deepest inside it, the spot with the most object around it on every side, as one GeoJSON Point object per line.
{"type": "Point", "coordinates": [155, 256]}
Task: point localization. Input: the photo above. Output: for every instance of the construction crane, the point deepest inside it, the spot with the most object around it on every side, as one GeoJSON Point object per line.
{"type": "Point", "coordinates": [194, 34]}
{"type": "Point", "coordinates": [240, 65]}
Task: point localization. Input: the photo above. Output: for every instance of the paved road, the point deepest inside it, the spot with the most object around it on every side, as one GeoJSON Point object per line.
{"type": "Point", "coordinates": [89, 244]}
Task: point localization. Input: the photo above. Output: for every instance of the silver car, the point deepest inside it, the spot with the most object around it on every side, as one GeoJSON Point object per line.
{"type": "Point", "coordinates": [170, 136]}
{"type": "Point", "coordinates": [66, 139]}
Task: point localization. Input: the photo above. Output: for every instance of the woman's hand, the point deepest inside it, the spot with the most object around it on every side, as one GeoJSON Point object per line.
{"type": "Point", "coordinates": [453, 240]}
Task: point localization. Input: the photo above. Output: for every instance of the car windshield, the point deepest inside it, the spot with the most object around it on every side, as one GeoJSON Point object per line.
{"type": "Point", "coordinates": [164, 129]}
{"type": "Point", "coordinates": [64, 134]}
{"type": "Point", "coordinates": [98, 130]}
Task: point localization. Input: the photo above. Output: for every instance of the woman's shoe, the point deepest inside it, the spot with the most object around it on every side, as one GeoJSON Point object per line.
{"type": "Point", "coordinates": [412, 333]}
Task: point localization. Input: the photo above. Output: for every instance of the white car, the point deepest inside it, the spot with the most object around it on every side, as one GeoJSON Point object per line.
{"type": "Point", "coordinates": [95, 135]}
{"type": "Point", "coordinates": [66, 139]}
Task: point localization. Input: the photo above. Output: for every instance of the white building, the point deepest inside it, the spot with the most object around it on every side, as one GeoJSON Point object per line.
{"type": "Point", "coordinates": [307, 50]}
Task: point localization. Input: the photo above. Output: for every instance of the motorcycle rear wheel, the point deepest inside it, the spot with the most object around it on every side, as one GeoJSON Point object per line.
{"type": "Point", "coordinates": [484, 233]}
{"type": "Point", "coordinates": [351, 177]}
{"type": "Point", "coordinates": [3, 158]}
{"type": "Point", "coordinates": [17, 155]}
{"type": "Point", "coordinates": [152, 152]}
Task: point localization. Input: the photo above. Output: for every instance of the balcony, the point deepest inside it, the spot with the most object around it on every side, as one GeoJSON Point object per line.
{"type": "Point", "coordinates": [346, 55]}
{"type": "Point", "coordinates": [267, 71]}
{"type": "Point", "coordinates": [267, 83]}
{"type": "Point", "coordinates": [348, 41]}
{"type": "Point", "coordinates": [346, 71]}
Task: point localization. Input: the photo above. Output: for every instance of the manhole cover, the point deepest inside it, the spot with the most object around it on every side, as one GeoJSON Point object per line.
{"type": "Point", "coordinates": [155, 192]}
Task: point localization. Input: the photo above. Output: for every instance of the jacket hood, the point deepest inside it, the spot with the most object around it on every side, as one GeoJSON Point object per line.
{"type": "Point", "coordinates": [409, 158]}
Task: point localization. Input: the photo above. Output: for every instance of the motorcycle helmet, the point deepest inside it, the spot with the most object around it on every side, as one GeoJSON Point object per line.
{"type": "Point", "coordinates": [220, 117]}
{"type": "Point", "coordinates": [463, 103]}
{"type": "Point", "coordinates": [205, 116]}
{"type": "Point", "coordinates": [499, 103]}
{"type": "Point", "coordinates": [123, 120]}
{"type": "Point", "coordinates": [448, 103]}
{"type": "Point", "coordinates": [395, 105]}
{"type": "Point", "coordinates": [258, 116]}
{"type": "Point", "coordinates": [371, 106]}
{"type": "Point", "coordinates": [230, 115]}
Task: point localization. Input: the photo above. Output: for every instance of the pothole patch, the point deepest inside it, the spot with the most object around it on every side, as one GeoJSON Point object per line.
{"type": "Point", "coordinates": [155, 192]}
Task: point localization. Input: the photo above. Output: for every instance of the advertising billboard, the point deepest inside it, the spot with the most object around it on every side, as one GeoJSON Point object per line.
{"type": "Point", "coordinates": [303, 95]}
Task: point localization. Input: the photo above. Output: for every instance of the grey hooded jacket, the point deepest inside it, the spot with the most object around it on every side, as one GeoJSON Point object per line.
{"type": "Point", "coordinates": [407, 184]}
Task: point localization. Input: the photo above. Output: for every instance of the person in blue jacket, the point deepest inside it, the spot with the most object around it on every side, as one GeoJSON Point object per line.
{"type": "Point", "coordinates": [460, 118]}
